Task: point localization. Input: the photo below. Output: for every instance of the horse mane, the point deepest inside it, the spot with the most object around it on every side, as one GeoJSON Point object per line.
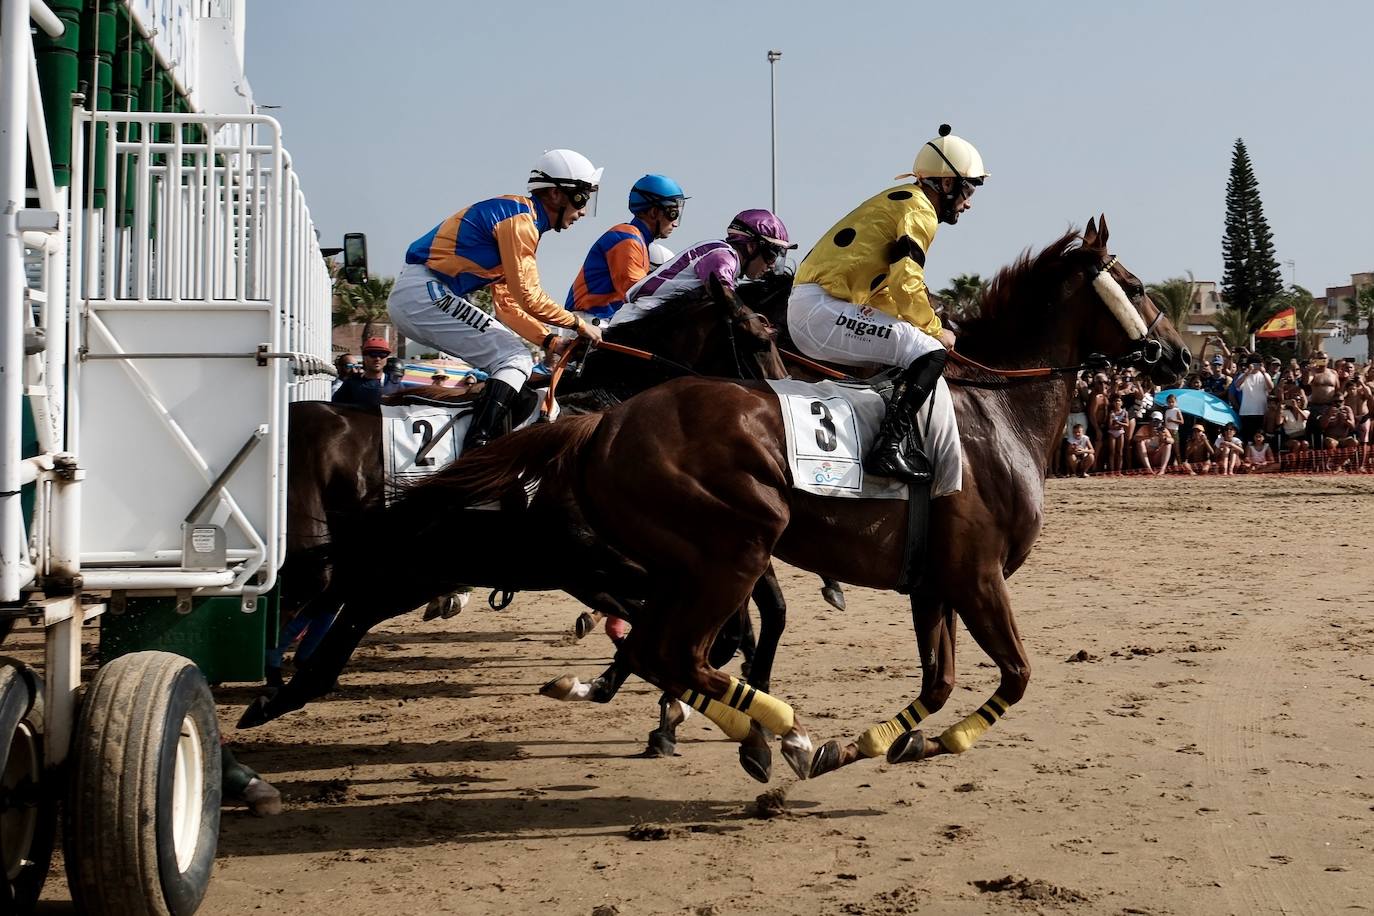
{"type": "Point", "coordinates": [1024, 290]}
{"type": "Point", "coordinates": [651, 325]}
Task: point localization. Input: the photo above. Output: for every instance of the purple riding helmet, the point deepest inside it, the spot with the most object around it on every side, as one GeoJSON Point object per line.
{"type": "Point", "coordinates": [761, 226]}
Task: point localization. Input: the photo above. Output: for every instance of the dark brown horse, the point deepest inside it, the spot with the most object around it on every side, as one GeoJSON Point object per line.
{"type": "Point", "coordinates": [336, 474]}
{"type": "Point", "coordinates": [689, 482]}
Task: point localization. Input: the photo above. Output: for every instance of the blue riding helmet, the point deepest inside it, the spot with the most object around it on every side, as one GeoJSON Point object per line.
{"type": "Point", "coordinates": [655, 191]}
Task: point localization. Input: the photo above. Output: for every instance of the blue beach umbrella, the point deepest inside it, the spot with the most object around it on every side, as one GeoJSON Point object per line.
{"type": "Point", "coordinates": [1195, 403]}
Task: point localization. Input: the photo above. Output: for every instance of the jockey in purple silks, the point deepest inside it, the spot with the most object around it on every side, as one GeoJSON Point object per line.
{"type": "Point", "coordinates": [752, 244]}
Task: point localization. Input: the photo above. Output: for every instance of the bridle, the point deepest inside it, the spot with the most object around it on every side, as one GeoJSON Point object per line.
{"type": "Point", "coordinates": [742, 316]}
{"type": "Point", "coordinates": [1127, 314]}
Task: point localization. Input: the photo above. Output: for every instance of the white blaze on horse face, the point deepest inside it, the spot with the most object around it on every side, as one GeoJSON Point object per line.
{"type": "Point", "coordinates": [1115, 297]}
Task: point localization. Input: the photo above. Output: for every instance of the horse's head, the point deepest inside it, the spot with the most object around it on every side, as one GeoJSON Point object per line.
{"type": "Point", "coordinates": [1120, 321]}
{"type": "Point", "coordinates": [752, 337]}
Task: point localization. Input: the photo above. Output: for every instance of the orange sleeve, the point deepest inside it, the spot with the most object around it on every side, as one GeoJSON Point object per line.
{"type": "Point", "coordinates": [509, 313]}
{"type": "Point", "coordinates": [518, 239]}
{"type": "Point", "coordinates": [628, 261]}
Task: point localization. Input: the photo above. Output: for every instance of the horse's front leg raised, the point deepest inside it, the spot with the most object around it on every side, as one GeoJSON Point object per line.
{"type": "Point", "coordinates": [317, 675]}
{"type": "Point", "coordinates": [935, 634]}
{"type": "Point", "coordinates": [986, 611]}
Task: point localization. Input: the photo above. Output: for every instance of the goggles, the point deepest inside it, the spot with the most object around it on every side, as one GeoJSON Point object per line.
{"type": "Point", "coordinates": [672, 211]}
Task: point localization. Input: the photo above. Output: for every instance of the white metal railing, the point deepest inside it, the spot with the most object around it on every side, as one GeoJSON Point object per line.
{"type": "Point", "coordinates": [202, 254]}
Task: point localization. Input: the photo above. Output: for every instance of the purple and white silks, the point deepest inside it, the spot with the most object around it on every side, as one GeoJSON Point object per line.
{"type": "Point", "coordinates": [686, 271]}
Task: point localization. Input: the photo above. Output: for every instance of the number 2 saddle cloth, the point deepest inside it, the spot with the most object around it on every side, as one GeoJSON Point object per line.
{"type": "Point", "coordinates": [419, 439]}
{"type": "Point", "coordinates": [832, 425]}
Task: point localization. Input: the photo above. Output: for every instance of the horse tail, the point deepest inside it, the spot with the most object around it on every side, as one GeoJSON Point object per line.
{"type": "Point", "coordinates": [487, 474]}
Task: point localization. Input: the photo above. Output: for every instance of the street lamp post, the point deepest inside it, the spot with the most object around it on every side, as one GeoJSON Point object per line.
{"type": "Point", "coordinates": [773, 58]}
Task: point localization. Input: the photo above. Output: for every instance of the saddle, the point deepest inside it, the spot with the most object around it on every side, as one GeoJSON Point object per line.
{"type": "Point", "coordinates": [435, 395]}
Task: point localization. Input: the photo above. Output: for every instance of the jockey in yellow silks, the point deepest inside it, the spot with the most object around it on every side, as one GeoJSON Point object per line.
{"type": "Point", "coordinates": [860, 297]}
{"type": "Point", "coordinates": [493, 242]}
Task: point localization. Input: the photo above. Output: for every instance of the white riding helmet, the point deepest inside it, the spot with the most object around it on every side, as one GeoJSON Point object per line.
{"type": "Point", "coordinates": [948, 156]}
{"type": "Point", "coordinates": [658, 255]}
{"type": "Point", "coordinates": [564, 168]}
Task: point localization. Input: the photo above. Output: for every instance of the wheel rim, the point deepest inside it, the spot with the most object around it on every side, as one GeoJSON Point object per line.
{"type": "Point", "coordinates": [19, 816]}
{"type": "Point", "coordinates": [188, 793]}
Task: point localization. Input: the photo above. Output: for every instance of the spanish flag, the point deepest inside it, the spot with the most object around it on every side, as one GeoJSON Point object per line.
{"type": "Point", "coordinates": [1284, 324]}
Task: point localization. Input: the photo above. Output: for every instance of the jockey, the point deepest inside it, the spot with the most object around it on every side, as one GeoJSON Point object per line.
{"type": "Point", "coordinates": [752, 244]}
{"type": "Point", "coordinates": [860, 296]}
{"type": "Point", "coordinates": [494, 242]}
{"type": "Point", "coordinates": [620, 258]}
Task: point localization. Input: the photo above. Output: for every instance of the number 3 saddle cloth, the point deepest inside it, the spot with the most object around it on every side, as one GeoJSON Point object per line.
{"type": "Point", "coordinates": [832, 425]}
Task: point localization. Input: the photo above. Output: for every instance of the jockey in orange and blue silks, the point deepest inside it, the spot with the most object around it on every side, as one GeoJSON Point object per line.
{"type": "Point", "coordinates": [493, 243]}
{"type": "Point", "coordinates": [753, 243]}
{"type": "Point", "coordinates": [620, 258]}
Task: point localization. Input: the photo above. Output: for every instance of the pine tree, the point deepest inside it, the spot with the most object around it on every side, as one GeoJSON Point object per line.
{"type": "Point", "coordinates": [1251, 280]}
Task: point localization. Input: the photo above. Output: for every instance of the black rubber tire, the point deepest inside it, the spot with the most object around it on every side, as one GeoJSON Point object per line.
{"type": "Point", "coordinates": [118, 826]}
{"type": "Point", "coordinates": [28, 793]}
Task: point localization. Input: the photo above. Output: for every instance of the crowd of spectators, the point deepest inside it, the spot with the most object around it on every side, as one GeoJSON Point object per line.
{"type": "Point", "coordinates": [1309, 414]}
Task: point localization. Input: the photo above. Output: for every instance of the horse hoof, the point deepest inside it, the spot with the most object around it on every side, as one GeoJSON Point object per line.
{"type": "Point", "coordinates": [757, 762]}
{"type": "Point", "coordinates": [833, 597]}
{"type": "Point", "coordinates": [660, 745]}
{"type": "Point", "coordinates": [432, 610]}
{"type": "Point", "coordinates": [908, 748]}
{"type": "Point", "coordinates": [561, 687]}
{"type": "Point", "coordinates": [585, 624]}
{"type": "Point", "coordinates": [826, 760]}
{"type": "Point", "coordinates": [455, 604]}
{"type": "Point", "coordinates": [796, 750]}
{"type": "Point", "coordinates": [262, 798]}
{"type": "Point", "coordinates": [256, 714]}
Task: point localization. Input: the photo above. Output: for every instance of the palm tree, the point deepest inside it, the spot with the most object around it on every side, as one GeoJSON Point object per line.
{"type": "Point", "coordinates": [1174, 297]}
{"type": "Point", "coordinates": [362, 303]}
{"type": "Point", "coordinates": [964, 296]}
{"type": "Point", "coordinates": [1361, 308]}
{"type": "Point", "coordinates": [1233, 326]}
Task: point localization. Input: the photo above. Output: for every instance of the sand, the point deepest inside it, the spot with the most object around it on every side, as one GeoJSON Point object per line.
{"type": "Point", "coordinates": [1198, 737]}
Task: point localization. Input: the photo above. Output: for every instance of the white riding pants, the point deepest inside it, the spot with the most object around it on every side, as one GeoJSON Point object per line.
{"type": "Point", "coordinates": [827, 328]}
{"type": "Point", "coordinates": [425, 310]}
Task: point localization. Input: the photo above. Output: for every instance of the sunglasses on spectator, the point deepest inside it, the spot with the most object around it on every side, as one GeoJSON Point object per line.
{"type": "Point", "coordinates": [353, 365]}
{"type": "Point", "coordinates": [375, 354]}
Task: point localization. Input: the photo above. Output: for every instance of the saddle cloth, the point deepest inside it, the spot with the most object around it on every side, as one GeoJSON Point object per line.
{"type": "Point", "coordinates": [408, 428]}
{"type": "Point", "coordinates": [832, 425]}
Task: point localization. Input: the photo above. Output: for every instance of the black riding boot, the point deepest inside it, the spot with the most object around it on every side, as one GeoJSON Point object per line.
{"type": "Point", "coordinates": [490, 418]}
{"type": "Point", "coordinates": [888, 456]}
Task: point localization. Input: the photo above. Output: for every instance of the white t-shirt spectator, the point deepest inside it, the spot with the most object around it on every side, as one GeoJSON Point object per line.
{"type": "Point", "coordinates": [1222, 442]}
{"type": "Point", "coordinates": [1081, 441]}
{"type": "Point", "coordinates": [1173, 419]}
{"type": "Point", "coordinates": [1254, 393]}
{"type": "Point", "coordinates": [1258, 456]}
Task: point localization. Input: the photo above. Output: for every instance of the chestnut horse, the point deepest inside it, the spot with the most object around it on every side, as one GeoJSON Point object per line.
{"type": "Point", "coordinates": [689, 481]}
{"type": "Point", "coordinates": [336, 475]}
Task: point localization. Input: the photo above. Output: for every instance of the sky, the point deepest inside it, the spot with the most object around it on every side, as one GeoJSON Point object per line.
{"type": "Point", "coordinates": [399, 114]}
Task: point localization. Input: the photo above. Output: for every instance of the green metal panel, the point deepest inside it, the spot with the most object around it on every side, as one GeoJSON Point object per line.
{"type": "Point", "coordinates": [226, 644]}
{"type": "Point", "coordinates": [58, 73]}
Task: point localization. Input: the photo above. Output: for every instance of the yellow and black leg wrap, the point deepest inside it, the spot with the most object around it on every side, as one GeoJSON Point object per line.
{"type": "Point", "coordinates": [770, 712]}
{"type": "Point", "coordinates": [960, 737]}
{"type": "Point", "coordinates": [876, 741]}
{"type": "Point", "coordinates": [735, 724]}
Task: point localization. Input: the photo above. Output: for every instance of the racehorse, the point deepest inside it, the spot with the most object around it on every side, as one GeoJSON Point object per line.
{"type": "Point", "coordinates": [336, 472]}
{"type": "Point", "coordinates": [689, 481]}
